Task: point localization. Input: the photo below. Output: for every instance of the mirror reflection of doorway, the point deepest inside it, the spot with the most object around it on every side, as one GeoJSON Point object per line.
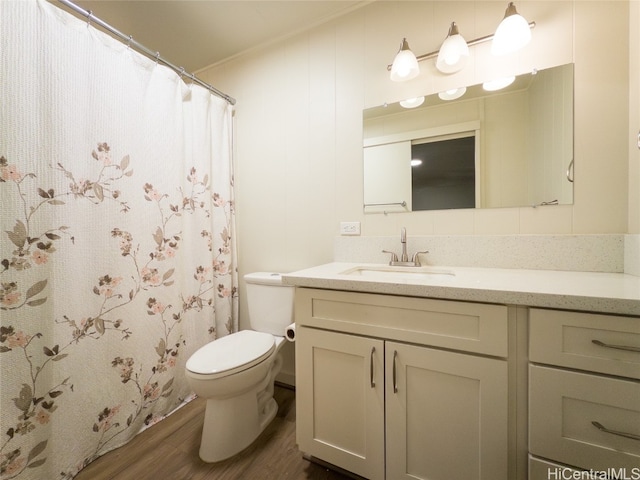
{"type": "Point", "coordinates": [445, 176]}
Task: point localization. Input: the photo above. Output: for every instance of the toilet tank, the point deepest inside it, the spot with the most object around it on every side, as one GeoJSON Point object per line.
{"type": "Point", "coordinates": [270, 302]}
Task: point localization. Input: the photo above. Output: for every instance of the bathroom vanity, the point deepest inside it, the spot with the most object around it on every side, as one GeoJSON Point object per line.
{"type": "Point", "coordinates": [467, 373]}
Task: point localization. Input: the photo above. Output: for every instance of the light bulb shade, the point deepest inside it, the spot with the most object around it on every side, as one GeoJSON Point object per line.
{"type": "Point", "coordinates": [452, 94]}
{"type": "Point", "coordinates": [405, 65]}
{"type": "Point", "coordinates": [498, 84]}
{"type": "Point", "coordinates": [512, 34]}
{"type": "Point", "coordinates": [453, 53]}
{"type": "Point", "coordinates": [412, 102]}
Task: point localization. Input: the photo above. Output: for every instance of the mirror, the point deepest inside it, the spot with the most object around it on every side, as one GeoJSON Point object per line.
{"type": "Point", "coordinates": [486, 149]}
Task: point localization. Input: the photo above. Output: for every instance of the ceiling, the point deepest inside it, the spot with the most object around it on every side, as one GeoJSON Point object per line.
{"type": "Point", "coordinates": [196, 34]}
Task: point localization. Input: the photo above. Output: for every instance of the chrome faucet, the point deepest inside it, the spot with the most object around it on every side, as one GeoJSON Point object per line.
{"type": "Point", "coordinates": [404, 258]}
{"type": "Point", "coordinates": [403, 240]}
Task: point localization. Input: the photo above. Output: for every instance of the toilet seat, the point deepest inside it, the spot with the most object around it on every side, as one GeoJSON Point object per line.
{"type": "Point", "coordinates": [231, 354]}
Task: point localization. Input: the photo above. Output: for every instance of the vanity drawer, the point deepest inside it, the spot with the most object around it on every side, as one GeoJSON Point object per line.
{"type": "Point", "coordinates": [541, 469]}
{"type": "Point", "coordinates": [562, 408]}
{"type": "Point", "coordinates": [599, 343]}
{"type": "Point", "coordinates": [470, 327]}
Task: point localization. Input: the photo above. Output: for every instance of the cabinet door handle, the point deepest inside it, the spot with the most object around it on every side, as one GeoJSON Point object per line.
{"type": "Point", "coordinates": [627, 348]}
{"type": "Point", "coordinates": [371, 375]}
{"type": "Point", "coordinates": [570, 171]}
{"type": "Point", "coordinates": [602, 428]}
{"type": "Point", "coordinates": [395, 372]}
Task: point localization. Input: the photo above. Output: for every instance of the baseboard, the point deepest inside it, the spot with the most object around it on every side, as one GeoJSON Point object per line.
{"type": "Point", "coordinates": [330, 466]}
{"type": "Point", "coordinates": [285, 378]}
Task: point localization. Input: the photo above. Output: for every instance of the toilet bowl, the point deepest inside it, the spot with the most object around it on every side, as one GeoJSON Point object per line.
{"type": "Point", "coordinates": [236, 373]}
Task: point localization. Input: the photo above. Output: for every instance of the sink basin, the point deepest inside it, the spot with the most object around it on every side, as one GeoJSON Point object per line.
{"type": "Point", "coordinates": [387, 272]}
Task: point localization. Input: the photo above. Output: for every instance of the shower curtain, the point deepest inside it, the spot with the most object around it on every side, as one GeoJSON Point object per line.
{"type": "Point", "coordinates": [117, 239]}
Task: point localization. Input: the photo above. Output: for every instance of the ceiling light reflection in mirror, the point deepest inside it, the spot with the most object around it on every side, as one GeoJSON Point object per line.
{"type": "Point", "coordinates": [525, 137]}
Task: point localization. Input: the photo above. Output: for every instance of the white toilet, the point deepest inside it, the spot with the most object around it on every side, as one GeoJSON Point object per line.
{"type": "Point", "coordinates": [236, 373]}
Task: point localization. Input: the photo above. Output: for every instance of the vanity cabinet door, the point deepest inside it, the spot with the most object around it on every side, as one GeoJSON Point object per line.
{"type": "Point", "coordinates": [340, 400]}
{"type": "Point", "coordinates": [446, 415]}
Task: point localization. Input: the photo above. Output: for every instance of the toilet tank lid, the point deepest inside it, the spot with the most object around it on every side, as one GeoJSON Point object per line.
{"type": "Point", "coordinates": [264, 278]}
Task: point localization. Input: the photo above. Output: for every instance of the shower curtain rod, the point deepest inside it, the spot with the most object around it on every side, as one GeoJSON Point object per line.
{"type": "Point", "coordinates": [146, 51]}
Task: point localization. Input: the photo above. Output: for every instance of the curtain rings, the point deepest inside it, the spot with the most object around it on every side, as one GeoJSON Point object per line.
{"type": "Point", "coordinates": [183, 74]}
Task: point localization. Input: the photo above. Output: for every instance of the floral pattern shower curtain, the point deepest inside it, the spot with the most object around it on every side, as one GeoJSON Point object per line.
{"type": "Point", "coordinates": [117, 239]}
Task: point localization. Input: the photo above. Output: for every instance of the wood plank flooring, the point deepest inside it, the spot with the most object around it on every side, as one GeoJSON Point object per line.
{"type": "Point", "coordinates": [169, 451]}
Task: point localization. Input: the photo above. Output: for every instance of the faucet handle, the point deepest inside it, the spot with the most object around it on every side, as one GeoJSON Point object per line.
{"type": "Point", "coordinates": [416, 259]}
{"type": "Point", "coordinates": [394, 257]}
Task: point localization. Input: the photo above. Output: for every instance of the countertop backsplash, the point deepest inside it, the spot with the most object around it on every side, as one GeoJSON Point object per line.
{"type": "Point", "coordinates": [632, 254]}
{"type": "Point", "coordinates": [613, 253]}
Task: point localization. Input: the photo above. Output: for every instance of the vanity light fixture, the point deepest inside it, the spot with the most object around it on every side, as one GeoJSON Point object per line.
{"type": "Point", "coordinates": [498, 83]}
{"type": "Point", "coordinates": [453, 53]}
{"type": "Point", "coordinates": [412, 102]}
{"type": "Point", "coordinates": [405, 65]}
{"type": "Point", "coordinates": [452, 94]}
{"type": "Point", "coordinates": [512, 34]}
{"type": "Point", "coordinates": [416, 162]}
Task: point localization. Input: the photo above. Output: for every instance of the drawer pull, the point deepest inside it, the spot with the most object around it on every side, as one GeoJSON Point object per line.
{"type": "Point", "coordinates": [627, 348]}
{"type": "Point", "coordinates": [602, 428]}
{"type": "Point", "coordinates": [371, 376]}
{"type": "Point", "coordinates": [395, 372]}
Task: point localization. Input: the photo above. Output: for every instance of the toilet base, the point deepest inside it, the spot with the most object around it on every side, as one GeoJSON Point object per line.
{"type": "Point", "coordinates": [231, 424]}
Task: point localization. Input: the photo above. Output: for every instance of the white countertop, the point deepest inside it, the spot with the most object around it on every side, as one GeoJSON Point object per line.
{"type": "Point", "coordinates": [586, 291]}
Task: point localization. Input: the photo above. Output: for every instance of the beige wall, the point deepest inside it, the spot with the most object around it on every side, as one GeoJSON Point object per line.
{"type": "Point", "coordinates": [298, 123]}
{"type": "Point", "coordinates": [634, 118]}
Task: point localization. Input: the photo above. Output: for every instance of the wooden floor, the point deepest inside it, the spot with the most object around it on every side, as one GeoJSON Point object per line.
{"type": "Point", "coordinates": [169, 451]}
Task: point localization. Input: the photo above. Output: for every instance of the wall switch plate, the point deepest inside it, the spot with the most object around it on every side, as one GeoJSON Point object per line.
{"type": "Point", "coordinates": [349, 228]}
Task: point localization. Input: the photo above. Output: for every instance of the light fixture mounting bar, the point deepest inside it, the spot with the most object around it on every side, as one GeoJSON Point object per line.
{"type": "Point", "coordinates": [476, 41]}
